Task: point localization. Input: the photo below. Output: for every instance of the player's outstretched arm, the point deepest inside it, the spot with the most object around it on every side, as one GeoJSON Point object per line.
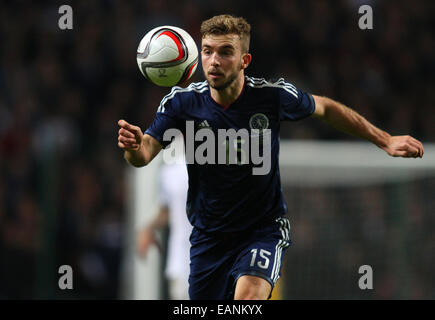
{"type": "Point", "coordinates": [349, 121]}
{"type": "Point", "coordinates": [139, 148]}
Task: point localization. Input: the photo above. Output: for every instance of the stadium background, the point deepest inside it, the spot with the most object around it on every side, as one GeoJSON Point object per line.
{"type": "Point", "coordinates": [62, 182]}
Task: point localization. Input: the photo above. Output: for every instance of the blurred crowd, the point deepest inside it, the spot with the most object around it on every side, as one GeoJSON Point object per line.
{"type": "Point", "coordinates": [62, 184]}
{"type": "Point", "coordinates": [337, 229]}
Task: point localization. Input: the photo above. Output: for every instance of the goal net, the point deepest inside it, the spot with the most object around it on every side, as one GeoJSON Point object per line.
{"type": "Point", "coordinates": [351, 205]}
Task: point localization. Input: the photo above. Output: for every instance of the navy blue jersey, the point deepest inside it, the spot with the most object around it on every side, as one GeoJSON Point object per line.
{"type": "Point", "coordinates": [229, 197]}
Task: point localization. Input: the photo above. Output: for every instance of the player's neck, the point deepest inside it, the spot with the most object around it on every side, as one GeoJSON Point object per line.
{"type": "Point", "coordinates": [228, 95]}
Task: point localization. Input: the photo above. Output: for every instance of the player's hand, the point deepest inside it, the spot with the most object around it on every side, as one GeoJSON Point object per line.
{"type": "Point", "coordinates": [146, 238]}
{"type": "Point", "coordinates": [404, 146]}
{"type": "Point", "coordinates": [129, 136]}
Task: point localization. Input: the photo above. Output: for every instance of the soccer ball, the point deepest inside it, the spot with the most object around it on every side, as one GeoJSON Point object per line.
{"type": "Point", "coordinates": [167, 56]}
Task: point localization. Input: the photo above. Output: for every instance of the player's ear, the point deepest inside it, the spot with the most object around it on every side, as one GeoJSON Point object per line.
{"type": "Point", "coordinates": [246, 60]}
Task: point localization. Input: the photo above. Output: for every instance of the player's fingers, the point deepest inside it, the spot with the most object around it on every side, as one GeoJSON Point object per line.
{"type": "Point", "coordinates": [122, 123]}
{"type": "Point", "coordinates": [125, 133]}
{"type": "Point", "coordinates": [400, 153]}
{"type": "Point", "coordinates": [415, 144]}
{"type": "Point", "coordinates": [127, 140]}
{"type": "Point", "coordinates": [128, 146]}
{"type": "Point", "coordinates": [407, 150]}
{"type": "Point", "coordinates": [125, 125]}
{"type": "Point", "coordinates": [418, 145]}
{"type": "Point", "coordinates": [413, 151]}
{"type": "Point", "coordinates": [406, 145]}
{"type": "Point", "coordinates": [128, 143]}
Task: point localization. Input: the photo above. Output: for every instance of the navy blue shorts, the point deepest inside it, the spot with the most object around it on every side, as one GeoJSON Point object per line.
{"type": "Point", "coordinates": [218, 260]}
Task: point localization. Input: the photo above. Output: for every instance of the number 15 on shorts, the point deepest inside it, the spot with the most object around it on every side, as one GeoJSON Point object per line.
{"type": "Point", "coordinates": [263, 260]}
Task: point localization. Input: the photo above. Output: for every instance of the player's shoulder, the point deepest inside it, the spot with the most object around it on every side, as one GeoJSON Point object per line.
{"type": "Point", "coordinates": [179, 95]}
{"type": "Point", "coordinates": [272, 84]}
{"type": "Point", "coordinates": [191, 89]}
{"type": "Point", "coordinates": [264, 83]}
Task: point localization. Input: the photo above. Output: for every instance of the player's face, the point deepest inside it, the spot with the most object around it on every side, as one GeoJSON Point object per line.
{"type": "Point", "coordinates": [222, 59]}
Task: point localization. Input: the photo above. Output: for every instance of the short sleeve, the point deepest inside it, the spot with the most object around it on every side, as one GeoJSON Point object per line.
{"type": "Point", "coordinates": [166, 118]}
{"type": "Point", "coordinates": [294, 104]}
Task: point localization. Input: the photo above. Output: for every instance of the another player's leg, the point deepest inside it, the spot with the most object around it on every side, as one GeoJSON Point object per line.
{"type": "Point", "coordinates": [179, 288]}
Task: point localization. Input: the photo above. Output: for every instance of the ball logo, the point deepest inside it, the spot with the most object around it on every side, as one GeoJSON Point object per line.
{"type": "Point", "coordinates": [259, 121]}
{"type": "Point", "coordinates": [162, 73]}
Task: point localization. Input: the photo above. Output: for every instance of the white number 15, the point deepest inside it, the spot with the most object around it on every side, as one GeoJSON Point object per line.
{"type": "Point", "coordinates": [263, 254]}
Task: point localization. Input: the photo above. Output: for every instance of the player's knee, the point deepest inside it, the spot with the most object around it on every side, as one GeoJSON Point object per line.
{"type": "Point", "coordinates": [252, 288]}
{"type": "Point", "coordinates": [250, 295]}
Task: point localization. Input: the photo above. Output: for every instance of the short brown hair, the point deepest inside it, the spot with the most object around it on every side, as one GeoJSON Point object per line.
{"type": "Point", "coordinates": [228, 24]}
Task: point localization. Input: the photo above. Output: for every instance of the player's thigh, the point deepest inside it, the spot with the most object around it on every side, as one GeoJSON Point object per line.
{"type": "Point", "coordinates": [213, 284]}
{"type": "Point", "coordinates": [210, 266]}
{"type": "Point", "coordinates": [262, 258]}
{"type": "Point", "coordinates": [252, 288]}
